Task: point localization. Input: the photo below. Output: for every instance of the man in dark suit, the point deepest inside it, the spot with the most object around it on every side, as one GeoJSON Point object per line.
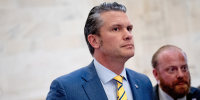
{"type": "Point", "coordinates": [110, 41]}
{"type": "Point", "coordinates": [172, 74]}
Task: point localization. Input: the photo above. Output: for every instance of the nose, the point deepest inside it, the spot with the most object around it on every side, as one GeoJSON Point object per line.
{"type": "Point", "coordinates": [127, 35]}
{"type": "Point", "coordinates": [180, 74]}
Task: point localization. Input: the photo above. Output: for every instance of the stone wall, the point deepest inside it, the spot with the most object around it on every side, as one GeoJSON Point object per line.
{"type": "Point", "coordinates": [43, 39]}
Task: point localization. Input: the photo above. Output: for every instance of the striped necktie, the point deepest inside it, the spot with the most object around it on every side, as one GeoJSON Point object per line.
{"type": "Point", "coordinates": [121, 94]}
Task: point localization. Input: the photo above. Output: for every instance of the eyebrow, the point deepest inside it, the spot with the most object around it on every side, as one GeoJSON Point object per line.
{"type": "Point", "coordinates": [130, 25]}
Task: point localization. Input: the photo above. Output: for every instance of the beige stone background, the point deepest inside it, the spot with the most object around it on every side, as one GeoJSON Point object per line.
{"type": "Point", "coordinates": [43, 39]}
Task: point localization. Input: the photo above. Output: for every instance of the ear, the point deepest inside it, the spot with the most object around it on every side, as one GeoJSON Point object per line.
{"type": "Point", "coordinates": [155, 73]}
{"type": "Point", "coordinates": [94, 40]}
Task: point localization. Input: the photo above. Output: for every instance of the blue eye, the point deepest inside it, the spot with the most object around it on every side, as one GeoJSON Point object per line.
{"type": "Point", "coordinates": [115, 29]}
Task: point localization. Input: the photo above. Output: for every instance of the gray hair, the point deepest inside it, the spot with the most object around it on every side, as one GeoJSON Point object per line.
{"type": "Point", "coordinates": [93, 22]}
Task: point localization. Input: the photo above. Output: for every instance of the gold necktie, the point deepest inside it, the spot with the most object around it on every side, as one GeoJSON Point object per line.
{"type": "Point", "coordinates": [121, 94]}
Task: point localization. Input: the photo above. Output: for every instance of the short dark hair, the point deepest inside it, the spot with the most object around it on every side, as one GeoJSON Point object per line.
{"type": "Point", "coordinates": [93, 22]}
{"type": "Point", "coordinates": [154, 60]}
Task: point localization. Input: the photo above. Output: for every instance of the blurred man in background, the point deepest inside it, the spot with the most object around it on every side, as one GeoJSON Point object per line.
{"type": "Point", "coordinates": [170, 68]}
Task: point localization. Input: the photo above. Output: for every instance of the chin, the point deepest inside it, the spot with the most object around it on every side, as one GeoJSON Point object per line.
{"type": "Point", "coordinates": [182, 89]}
{"type": "Point", "coordinates": [129, 55]}
{"type": "Point", "coordinates": [126, 53]}
{"type": "Point", "coordinates": [132, 55]}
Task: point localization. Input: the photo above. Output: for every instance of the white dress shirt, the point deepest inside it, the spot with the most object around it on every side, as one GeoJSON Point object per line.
{"type": "Point", "coordinates": [110, 86]}
{"type": "Point", "coordinates": [165, 96]}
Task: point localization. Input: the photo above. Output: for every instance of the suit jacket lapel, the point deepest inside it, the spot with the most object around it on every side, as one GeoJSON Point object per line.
{"type": "Point", "coordinates": [92, 84]}
{"type": "Point", "coordinates": [135, 86]}
{"type": "Point", "coordinates": [155, 93]}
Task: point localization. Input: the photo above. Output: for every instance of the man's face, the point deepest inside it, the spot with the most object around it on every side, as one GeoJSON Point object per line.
{"type": "Point", "coordinates": [115, 35]}
{"type": "Point", "coordinates": [173, 73]}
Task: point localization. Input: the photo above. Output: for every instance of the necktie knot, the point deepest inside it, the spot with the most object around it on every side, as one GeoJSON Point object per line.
{"type": "Point", "coordinates": [119, 78]}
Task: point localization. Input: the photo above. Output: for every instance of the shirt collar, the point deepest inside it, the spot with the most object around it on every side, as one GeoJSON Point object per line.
{"type": "Point", "coordinates": [105, 74]}
{"type": "Point", "coordinates": [165, 96]}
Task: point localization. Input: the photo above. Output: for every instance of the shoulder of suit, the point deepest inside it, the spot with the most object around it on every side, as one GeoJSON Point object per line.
{"type": "Point", "coordinates": [138, 76]}
{"type": "Point", "coordinates": [134, 73]}
{"type": "Point", "coordinates": [194, 90]}
{"type": "Point", "coordinates": [194, 94]}
{"type": "Point", "coordinates": [73, 76]}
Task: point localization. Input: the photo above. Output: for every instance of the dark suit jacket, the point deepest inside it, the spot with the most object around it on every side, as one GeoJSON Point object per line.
{"type": "Point", "coordinates": [194, 93]}
{"type": "Point", "coordinates": [84, 84]}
